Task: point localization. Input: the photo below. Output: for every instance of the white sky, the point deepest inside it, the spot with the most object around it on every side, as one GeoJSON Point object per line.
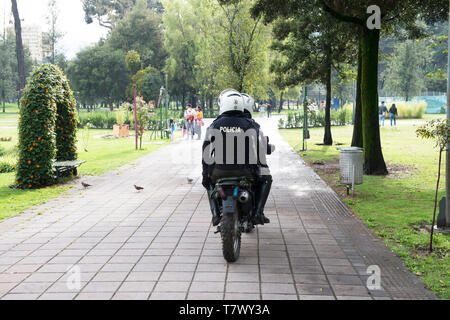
{"type": "Point", "coordinates": [77, 34]}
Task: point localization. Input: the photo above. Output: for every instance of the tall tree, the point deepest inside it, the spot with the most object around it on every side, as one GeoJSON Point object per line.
{"type": "Point", "coordinates": [53, 35]}
{"type": "Point", "coordinates": [98, 75]}
{"type": "Point", "coordinates": [19, 47]}
{"type": "Point", "coordinates": [405, 74]}
{"type": "Point", "coordinates": [108, 12]}
{"type": "Point", "coordinates": [355, 12]}
{"type": "Point", "coordinates": [312, 45]}
{"type": "Point", "coordinates": [242, 43]}
{"type": "Point", "coordinates": [6, 72]}
{"type": "Point", "coordinates": [405, 14]}
{"type": "Point", "coordinates": [140, 30]}
{"type": "Point", "coordinates": [181, 40]}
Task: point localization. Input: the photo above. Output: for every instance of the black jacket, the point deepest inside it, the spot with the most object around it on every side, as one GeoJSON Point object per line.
{"type": "Point", "coordinates": [393, 110]}
{"type": "Point", "coordinates": [240, 132]}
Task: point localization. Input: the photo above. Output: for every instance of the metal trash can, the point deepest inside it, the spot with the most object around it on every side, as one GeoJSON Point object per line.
{"type": "Point", "coordinates": [351, 166]}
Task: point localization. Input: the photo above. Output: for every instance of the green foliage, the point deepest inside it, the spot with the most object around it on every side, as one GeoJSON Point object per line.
{"type": "Point", "coordinates": [143, 115]}
{"type": "Point", "coordinates": [294, 119]}
{"type": "Point", "coordinates": [7, 164]}
{"type": "Point", "coordinates": [437, 130]}
{"type": "Point", "coordinates": [133, 61]}
{"type": "Point", "coordinates": [66, 122]}
{"type": "Point", "coordinates": [107, 12]}
{"type": "Point", "coordinates": [411, 110]}
{"type": "Point", "coordinates": [97, 119]}
{"type": "Point", "coordinates": [183, 45]}
{"type": "Point", "coordinates": [148, 82]}
{"type": "Point", "coordinates": [43, 133]}
{"type": "Point", "coordinates": [37, 121]}
{"type": "Point", "coordinates": [310, 42]}
{"type": "Point", "coordinates": [9, 79]}
{"type": "Point", "coordinates": [405, 74]}
{"type": "Point", "coordinates": [140, 30]}
{"type": "Point", "coordinates": [99, 74]}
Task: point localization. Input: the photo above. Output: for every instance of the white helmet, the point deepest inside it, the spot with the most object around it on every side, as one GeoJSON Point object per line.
{"type": "Point", "coordinates": [249, 102]}
{"type": "Point", "coordinates": [231, 100]}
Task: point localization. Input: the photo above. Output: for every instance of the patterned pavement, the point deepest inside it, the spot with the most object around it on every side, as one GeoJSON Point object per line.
{"type": "Point", "coordinates": [113, 242]}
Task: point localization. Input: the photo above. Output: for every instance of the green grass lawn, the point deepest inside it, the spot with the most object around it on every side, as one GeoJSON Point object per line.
{"type": "Point", "coordinates": [395, 207]}
{"type": "Point", "coordinates": [103, 155]}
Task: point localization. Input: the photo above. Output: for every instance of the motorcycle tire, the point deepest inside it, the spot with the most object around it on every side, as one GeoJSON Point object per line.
{"type": "Point", "coordinates": [231, 236]}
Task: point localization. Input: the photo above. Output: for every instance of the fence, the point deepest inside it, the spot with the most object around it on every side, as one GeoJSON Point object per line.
{"type": "Point", "coordinates": [436, 101]}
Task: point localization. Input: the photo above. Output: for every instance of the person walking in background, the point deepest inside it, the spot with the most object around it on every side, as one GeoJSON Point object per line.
{"type": "Point", "coordinates": [269, 110]}
{"type": "Point", "coordinates": [189, 116]}
{"type": "Point", "coordinates": [393, 114]}
{"type": "Point", "coordinates": [382, 111]}
{"type": "Point", "coordinates": [199, 122]}
{"type": "Point", "coordinates": [262, 110]}
{"type": "Point", "coordinates": [172, 129]}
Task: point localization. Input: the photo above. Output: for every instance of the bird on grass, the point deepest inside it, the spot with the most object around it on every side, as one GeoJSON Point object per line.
{"type": "Point", "coordinates": [85, 185]}
{"type": "Point", "coordinates": [138, 188]}
{"type": "Point", "coordinates": [189, 180]}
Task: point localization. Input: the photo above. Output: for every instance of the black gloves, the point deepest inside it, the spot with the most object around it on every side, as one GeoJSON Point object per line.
{"type": "Point", "coordinates": [206, 183]}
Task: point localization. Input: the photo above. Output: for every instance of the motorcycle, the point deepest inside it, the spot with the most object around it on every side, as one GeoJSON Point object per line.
{"type": "Point", "coordinates": [236, 199]}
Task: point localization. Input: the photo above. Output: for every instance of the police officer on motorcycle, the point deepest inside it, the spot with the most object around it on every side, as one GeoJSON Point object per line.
{"type": "Point", "coordinates": [235, 119]}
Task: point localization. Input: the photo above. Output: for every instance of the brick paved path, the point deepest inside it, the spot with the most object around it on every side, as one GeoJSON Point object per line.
{"type": "Point", "coordinates": [159, 244]}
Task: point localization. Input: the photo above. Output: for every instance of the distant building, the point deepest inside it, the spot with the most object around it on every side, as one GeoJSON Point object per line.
{"type": "Point", "coordinates": [32, 38]}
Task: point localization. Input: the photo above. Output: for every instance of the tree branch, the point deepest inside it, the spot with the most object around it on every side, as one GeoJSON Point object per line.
{"type": "Point", "coordinates": [341, 16]}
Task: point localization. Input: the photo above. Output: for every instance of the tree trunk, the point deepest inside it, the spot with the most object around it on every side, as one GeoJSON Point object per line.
{"type": "Point", "coordinates": [373, 156]}
{"type": "Point", "coordinates": [328, 139]}
{"type": "Point", "coordinates": [19, 47]}
{"type": "Point", "coordinates": [183, 101]}
{"type": "Point", "coordinates": [280, 108]}
{"type": "Point", "coordinates": [357, 140]}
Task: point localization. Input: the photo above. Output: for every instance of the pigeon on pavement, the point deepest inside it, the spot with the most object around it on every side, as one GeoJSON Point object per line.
{"type": "Point", "coordinates": [85, 185]}
{"type": "Point", "coordinates": [138, 188]}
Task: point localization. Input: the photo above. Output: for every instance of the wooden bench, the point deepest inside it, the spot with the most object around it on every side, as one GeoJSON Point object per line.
{"type": "Point", "coordinates": [65, 166]}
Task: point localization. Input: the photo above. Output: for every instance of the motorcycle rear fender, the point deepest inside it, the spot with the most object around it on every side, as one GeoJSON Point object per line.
{"type": "Point", "coordinates": [229, 205]}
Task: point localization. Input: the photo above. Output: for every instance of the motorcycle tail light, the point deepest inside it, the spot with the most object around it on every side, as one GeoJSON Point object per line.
{"type": "Point", "coordinates": [222, 193]}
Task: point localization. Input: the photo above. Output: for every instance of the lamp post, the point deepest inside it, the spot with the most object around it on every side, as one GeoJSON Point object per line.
{"type": "Point", "coordinates": [447, 153]}
{"type": "Point", "coordinates": [160, 111]}
{"type": "Point", "coordinates": [305, 117]}
{"type": "Point", "coordinates": [167, 99]}
{"type": "Point", "coordinates": [135, 118]}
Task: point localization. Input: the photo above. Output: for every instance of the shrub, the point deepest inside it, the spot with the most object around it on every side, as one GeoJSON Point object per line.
{"type": "Point", "coordinates": [99, 119]}
{"type": "Point", "coordinates": [7, 163]}
{"type": "Point", "coordinates": [411, 110]}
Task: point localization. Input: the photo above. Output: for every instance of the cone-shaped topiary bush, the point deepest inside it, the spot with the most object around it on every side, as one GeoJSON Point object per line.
{"type": "Point", "coordinates": [46, 93]}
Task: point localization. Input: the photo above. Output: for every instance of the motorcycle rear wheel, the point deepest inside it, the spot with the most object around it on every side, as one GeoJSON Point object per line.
{"type": "Point", "coordinates": [231, 236]}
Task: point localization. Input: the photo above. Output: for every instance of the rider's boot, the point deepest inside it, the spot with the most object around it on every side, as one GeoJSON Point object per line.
{"type": "Point", "coordinates": [261, 198]}
{"type": "Point", "coordinates": [214, 210]}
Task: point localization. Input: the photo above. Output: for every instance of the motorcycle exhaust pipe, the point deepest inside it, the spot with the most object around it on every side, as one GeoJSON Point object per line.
{"type": "Point", "coordinates": [244, 196]}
